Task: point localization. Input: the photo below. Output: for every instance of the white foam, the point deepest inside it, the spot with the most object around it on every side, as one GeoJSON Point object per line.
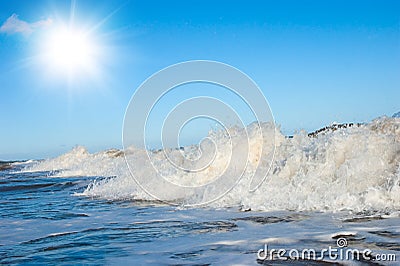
{"type": "Point", "coordinates": [355, 168]}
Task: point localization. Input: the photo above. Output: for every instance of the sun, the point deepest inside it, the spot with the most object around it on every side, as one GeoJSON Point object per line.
{"type": "Point", "coordinates": [70, 50]}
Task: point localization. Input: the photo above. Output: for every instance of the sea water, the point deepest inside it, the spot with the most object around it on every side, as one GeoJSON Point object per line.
{"type": "Point", "coordinates": [83, 208]}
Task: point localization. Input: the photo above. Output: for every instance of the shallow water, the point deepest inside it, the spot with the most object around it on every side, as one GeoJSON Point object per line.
{"type": "Point", "coordinates": [43, 221]}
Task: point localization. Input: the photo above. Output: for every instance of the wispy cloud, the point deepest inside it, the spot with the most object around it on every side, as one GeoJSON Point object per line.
{"type": "Point", "coordinates": [15, 25]}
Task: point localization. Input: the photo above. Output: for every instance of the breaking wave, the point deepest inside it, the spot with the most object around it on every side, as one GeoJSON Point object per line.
{"type": "Point", "coordinates": [339, 168]}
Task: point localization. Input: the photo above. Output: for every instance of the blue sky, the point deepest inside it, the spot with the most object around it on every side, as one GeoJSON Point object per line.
{"type": "Point", "coordinates": [316, 62]}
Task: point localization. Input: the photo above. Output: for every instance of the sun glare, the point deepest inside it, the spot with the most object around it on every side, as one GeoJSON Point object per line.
{"type": "Point", "coordinates": [70, 50]}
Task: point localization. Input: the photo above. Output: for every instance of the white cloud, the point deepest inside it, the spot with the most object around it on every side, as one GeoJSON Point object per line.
{"type": "Point", "coordinates": [14, 25]}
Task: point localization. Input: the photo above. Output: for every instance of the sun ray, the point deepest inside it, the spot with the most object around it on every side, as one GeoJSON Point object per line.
{"type": "Point", "coordinates": [106, 18]}
{"type": "Point", "coordinates": [72, 13]}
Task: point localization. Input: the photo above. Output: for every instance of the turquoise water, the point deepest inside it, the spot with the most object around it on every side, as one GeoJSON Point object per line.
{"type": "Point", "coordinates": [42, 221]}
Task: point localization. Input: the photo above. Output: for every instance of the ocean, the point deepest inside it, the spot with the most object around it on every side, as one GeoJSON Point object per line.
{"type": "Point", "coordinates": [328, 198]}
